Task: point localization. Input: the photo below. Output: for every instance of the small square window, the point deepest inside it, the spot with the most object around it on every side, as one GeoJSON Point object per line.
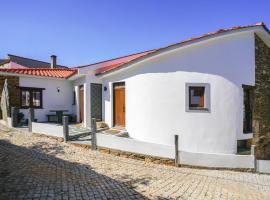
{"type": "Point", "coordinates": [197, 97]}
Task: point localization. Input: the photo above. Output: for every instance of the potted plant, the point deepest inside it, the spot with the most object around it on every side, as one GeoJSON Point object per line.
{"type": "Point", "coordinates": [20, 118]}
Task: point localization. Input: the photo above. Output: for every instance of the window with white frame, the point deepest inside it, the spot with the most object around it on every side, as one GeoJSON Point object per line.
{"type": "Point", "coordinates": [197, 97]}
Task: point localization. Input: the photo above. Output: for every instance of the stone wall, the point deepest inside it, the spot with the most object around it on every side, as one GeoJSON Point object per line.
{"type": "Point", "coordinates": [14, 91]}
{"type": "Point", "coordinates": [261, 113]}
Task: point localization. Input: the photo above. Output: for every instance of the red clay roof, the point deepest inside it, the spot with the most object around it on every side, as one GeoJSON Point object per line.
{"type": "Point", "coordinates": [109, 65]}
{"type": "Point", "coordinates": [45, 72]}
{"type": "Point", "coordinates": [115, 63]}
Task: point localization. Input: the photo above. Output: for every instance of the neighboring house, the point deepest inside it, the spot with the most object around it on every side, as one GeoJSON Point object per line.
{"type": "Point", "coordinates": [13, 61]}
{"type": "Point", "coordinates": [18, 62]}
{"type": "Point", "coordinates": [40, 88]}
{"type": "Point", "coordinates": [201, 89]}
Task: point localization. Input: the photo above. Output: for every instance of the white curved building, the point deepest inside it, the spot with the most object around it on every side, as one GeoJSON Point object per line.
{"type": "Point", "coordinates": [158, 94]}
{"type": "Point", "coordinates": [194, 89]}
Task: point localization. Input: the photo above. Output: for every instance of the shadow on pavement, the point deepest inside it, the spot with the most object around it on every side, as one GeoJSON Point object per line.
{"type": "Point", "coordinates": [29, 173]}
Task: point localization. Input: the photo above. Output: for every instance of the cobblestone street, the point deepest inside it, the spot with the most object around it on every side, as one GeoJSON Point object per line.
{"type": "Point", "coordinates": [34, 167]}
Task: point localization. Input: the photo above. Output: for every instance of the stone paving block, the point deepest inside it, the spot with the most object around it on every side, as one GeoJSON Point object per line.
{"type": "Point", "coordinates": [35, 167]}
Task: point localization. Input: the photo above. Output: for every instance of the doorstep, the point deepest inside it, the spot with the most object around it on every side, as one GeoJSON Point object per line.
{"type": "Point", "coordinates": [117, 131]}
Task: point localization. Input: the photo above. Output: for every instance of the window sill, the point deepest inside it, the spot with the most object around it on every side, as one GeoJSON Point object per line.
{"type": "Point", "coordinates": [198, 110]}
{"type": "Point", "coordinates": [31, 107]}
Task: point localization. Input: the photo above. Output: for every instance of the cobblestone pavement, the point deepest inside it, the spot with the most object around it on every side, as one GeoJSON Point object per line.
{"type": "Point", "coordinates": [34, 167]}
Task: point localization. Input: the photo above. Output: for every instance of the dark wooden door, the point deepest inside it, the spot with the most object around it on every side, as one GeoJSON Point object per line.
{"type": "Point", "coordinates": [96, 101]}
{"type": "Point", "coordinates": [119, 104]}
{"type": "Point", "coordinates": [248, 92]}
{"type": "Point", "coordinates": [81, 103]}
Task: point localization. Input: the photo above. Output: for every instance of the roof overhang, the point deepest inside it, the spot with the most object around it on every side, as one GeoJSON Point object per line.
{"type": "Point", "coordinates": [59, 74]}
{"type": "Point", "coordinates": [5, 61]}
{"type": "Point", "coordinates": [76, 76]}
{"type": "Point", "coordinates": [260, 30]}
{"type": "Point", "coordinates": [30, 76]}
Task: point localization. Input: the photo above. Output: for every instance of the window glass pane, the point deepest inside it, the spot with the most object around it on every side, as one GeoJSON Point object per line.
{"type": "Point", "coordinates": [36, 98]}
{"type": "Point", "coordinates": [25, 98]}
{"type": "Point", "coordinates": [196, 97]}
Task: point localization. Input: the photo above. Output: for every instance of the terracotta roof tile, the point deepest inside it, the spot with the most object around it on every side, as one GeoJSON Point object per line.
{"type": "Point", "coordinates": [112, 64]}
{"type": "Point", "coordinates": [45, 72]}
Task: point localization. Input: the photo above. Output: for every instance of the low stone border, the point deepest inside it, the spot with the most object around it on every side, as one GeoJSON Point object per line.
{"type": "Point", "coordinates": [145, 158]}
{"type": "Point", "coordinates": [222, 168]}
{"type": "Point", "coordinates": [49, 136]}
{"type": "Point", "coordinates": [156, 160]}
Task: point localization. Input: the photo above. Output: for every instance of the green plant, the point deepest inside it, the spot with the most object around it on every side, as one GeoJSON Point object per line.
{"type": "Point", "coordinates": [20, 116]}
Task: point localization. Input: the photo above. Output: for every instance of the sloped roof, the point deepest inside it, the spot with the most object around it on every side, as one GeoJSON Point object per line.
{"type": "Point", "coordinates": [113, 64]}
{"type": "Point", "coordinates": [3, 61]}
{"type": "Point", "coordinates": [30, 63]}
{"type": "Point", "coordinates": [54, 73]}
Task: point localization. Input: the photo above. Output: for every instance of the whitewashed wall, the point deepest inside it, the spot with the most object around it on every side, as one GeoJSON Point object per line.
{"type": "Point", "coordinates": [167, 151]}
{"type": "Point", "coordinates": [51, 98]}
{"type": "Point", "coordinates": [55, 130]}
{"type": "Point", "coordinates": [85, 81]}
{"type": "Point", "coordinates": [155, 94]}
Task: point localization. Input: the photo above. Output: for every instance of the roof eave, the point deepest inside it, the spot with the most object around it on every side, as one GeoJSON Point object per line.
{"type": "Point", "coordinates": [180, 45]}
{"type": "Point", "coordinates": [75, 76]}
{"type": "Point", "coordinates": [5, 62]}
{"type": "Point", "coordinates": [31, 76]}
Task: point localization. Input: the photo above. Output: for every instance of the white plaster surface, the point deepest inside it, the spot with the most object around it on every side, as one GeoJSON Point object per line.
{"type": "Point", "coordinates": [85, 81]}
{"type": "Point", "coordinates": [263, 166]}
{"type": "Point", "coordinates": [135, 146]}
{"type": "Point", "coordinates": [217, 160]}
{"type": "Point", "coordinates": [51, 98]}
{"type": "Point", "coordinates": [9, 123]}
{"type": "Point", "coordinates": [244, 136]}
{"type": "Point", "coordinates": [155, 95]}
{"type": "Point", "coordinates": [166, 151]}
{"type": "Point", "coordinates": [48, 129]}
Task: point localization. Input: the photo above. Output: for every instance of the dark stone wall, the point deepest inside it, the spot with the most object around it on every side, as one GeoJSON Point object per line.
{"type": "Point", "coordinates": [14, 91]}
{"type": "Point", "coordinates": [261, 112]}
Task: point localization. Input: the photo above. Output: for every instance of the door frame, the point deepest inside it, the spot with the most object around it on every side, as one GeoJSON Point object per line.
{"type": "Point", "coordinates": [113, 103]}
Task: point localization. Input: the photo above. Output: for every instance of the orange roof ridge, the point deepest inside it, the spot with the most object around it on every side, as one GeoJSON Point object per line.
{"type": "Point", "coordinates": [45, 72]}
{"type": "Point", "coordinates": [112, 59]}
{"type": "Point", "coordinates": [41, 68]}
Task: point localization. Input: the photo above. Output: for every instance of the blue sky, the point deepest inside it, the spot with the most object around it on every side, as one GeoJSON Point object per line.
{"type": "Point", "coordinates": [86, 31]}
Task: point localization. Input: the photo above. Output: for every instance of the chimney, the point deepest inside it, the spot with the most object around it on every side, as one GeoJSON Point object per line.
{"type": "Point", "coordinates": [53, 61]}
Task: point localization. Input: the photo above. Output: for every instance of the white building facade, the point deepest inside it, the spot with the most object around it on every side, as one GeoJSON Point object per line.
{"type": "Point", "coordinates": [157, 94]}
{"type": "Point", "coordinates": [194, 89]}
{"type": "Point", "coordinates": [160, 87]}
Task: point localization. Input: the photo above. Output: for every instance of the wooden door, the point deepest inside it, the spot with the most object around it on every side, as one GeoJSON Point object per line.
{"type": "Point", "coordinates": [119, 104]}
{"type": "Point", "coordinates": [81, 103]}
